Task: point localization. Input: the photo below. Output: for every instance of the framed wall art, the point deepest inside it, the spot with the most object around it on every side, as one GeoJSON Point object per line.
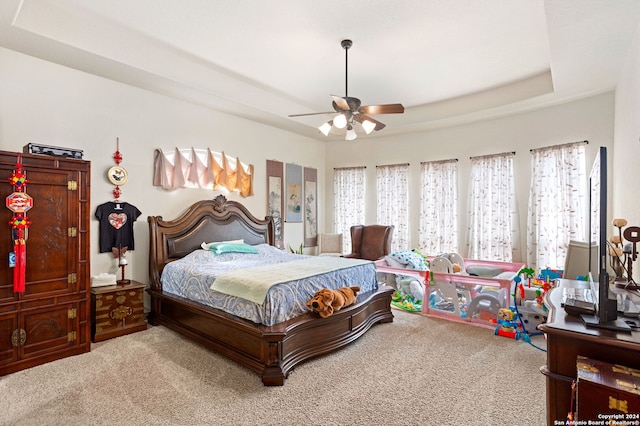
{"type": "Point", "coordinates": [294, 193]}
{"type": "Point", "coordinates": [275, 198]}
{"type": "Point", "coordinates": [310, 207]}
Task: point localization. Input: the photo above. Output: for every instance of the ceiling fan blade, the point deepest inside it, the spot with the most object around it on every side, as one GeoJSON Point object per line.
{"type": "Point", "coordinates": [311, 113]}
{"type": "Point", "coordinates": [341, 103]}
{"type": "Point", "coordinates": [361, 117]}
{"type": "Point", "coordinates": [382, 109]}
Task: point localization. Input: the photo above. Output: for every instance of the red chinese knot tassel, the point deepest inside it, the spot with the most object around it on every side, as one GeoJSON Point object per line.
{"type": "Point", "coordinates": [19, 202]}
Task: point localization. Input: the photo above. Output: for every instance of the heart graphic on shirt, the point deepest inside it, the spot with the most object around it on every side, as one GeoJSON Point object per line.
{"type": "Point", "coordinates": [117, 220]}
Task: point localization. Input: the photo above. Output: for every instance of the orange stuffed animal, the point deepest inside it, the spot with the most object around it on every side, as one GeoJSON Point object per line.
{"type": "Point", "coordinates": [326, 301]}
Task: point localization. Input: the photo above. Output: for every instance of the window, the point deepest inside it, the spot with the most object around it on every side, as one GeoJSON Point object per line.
{"type": "Point", "coordinates": [348, 195]}
{"type": "Point", "coordinates": [493, 219]}
{"type": "Point", "coordinates": [556, 203]}
{"type": "Point", "coordinates": [438, 223]}
{"type": "Point", "coordinates": [392, 184]}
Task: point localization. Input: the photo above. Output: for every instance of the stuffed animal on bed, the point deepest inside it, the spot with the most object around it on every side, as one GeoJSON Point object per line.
{"type": "Point", "coordinates": [326, 301]}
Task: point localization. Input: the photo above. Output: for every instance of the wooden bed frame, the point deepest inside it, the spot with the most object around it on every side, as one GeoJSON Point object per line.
{"type": "Point", "coordinates": [270, 351]}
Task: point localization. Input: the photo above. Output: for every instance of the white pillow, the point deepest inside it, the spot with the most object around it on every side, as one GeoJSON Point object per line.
{"type": "Point", "coordinates": [394, 263]}
{"type": "Point", "coordinates": [205, 246]}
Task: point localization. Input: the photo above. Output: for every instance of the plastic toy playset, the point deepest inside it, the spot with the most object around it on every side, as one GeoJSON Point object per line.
{"type": "Point", "coordinates": [504, 296]}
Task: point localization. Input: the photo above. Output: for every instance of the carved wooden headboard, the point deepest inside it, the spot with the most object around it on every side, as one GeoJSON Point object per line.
{"type": "Point", "coordinates": [205, 221]}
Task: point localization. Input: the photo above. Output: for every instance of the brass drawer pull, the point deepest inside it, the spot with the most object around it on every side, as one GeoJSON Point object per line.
{"type": "Point", "coordinates": [18, 337]}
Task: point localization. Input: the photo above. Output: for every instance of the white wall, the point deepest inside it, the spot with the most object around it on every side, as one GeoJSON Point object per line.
{"type": "Point", "coordinates": [49, 104]}
{"type": "Point", "coordinates": [588, 119]}
{"type": "Point", "coordinates": [44, 103]}
{"type": "Point", "coordinates": [626, 154]}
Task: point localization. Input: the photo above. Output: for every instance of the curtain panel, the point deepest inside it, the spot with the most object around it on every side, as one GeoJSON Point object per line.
{"type": "Point", "coordinates": [200, 168]}
{"type": "Point", "coordinates": [348, 195]}
{"type": "Point", "coordinates": [493, 219]}
{"type": "Point", "coordinates": [392, 184]}
{"type": "Point", "coordinates": [556, 203]}
{"type": "Point", "coordinates": [438, 223]}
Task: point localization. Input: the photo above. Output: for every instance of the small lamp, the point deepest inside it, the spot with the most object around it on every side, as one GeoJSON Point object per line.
{"type": "Point", "coordinates": [118, 252]}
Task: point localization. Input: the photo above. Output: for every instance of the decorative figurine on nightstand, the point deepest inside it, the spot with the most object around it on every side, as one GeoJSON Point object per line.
{"type": "Point", "coordinates": [118, 253]}
{"type": "Point", "coordinates": [622, 248]}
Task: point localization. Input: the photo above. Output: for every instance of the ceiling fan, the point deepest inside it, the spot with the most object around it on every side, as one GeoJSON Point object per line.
{"type": "Point", "coordinates": [351, 111]}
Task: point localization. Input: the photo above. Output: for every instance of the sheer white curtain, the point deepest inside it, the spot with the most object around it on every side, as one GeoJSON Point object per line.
{"type": "Point", "coordinates": [392, 184]}
{"type": "Point", "coordinates": [556, 203]}
{"type": "Point", "coordinates": [493, 218]}
{"type": "Point", "coordinates": [438, 227]}
{"type": "Point", "coordinates": [348, 196]}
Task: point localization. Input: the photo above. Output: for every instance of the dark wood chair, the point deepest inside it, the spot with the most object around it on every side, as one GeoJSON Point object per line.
{"type": "Point", "coordinates": [371, 242]}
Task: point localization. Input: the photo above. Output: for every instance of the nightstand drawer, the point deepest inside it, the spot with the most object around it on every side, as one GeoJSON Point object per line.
{"type": "Point", "coordinates": [117, 310]}
{"type": "Point", "coordinates": [607, 391]}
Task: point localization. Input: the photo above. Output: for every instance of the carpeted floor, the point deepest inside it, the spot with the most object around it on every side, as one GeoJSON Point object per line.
{"type": "Point", "coordinates": [414, 371]}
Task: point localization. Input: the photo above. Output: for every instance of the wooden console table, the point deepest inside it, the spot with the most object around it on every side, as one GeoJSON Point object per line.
{"type": "Point", "coordinates": [567, 337]}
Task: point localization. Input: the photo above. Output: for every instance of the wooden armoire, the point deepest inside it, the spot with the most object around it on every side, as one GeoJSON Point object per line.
{"type": "Point", "coordinates": [51, 319]}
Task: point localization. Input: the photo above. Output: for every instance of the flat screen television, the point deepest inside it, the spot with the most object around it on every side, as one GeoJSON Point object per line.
{"type": "Point", "coordinates": [606, 315]}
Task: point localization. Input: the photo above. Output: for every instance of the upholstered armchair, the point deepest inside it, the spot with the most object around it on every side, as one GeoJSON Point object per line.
{"type": "Point", "coordinates": [371, 242]}
{"type": "Point", "coordinates": [330, 244]}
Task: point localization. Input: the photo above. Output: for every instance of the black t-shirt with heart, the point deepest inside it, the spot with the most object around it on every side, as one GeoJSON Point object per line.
{"type": "Point", "coordinates": [116, 225]}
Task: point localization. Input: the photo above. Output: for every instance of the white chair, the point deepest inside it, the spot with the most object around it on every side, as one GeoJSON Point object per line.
{"type": "Point", "coordinates": [329, 244]}
{"type": "Point", "coordinates": [577, 261]}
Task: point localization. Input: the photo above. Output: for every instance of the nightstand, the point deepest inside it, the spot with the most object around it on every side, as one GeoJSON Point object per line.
{"type": "Point", "coordinates": [117, 310]}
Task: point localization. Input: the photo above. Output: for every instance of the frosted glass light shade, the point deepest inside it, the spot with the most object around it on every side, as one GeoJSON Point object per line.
{"type": "Point", "coordinates": [340, 121]}
{"type": "Point", "coordinates": [351, 134]}
{"type": "Point", "coordinates": [368, 126]}
{"type": "Point", "coordinates": [325, 128]}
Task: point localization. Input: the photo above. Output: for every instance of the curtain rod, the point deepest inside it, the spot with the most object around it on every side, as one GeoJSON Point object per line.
{"type": "Point", "coordinates": [393, 165]}
{"type": "Point", "coordinates": [492, 155]}
{"type": "Point", "coordinates": [439, 161]}
{"type": "Point", "coordinates": [347, 168]}
{"type": "Point", "coordinates": [559, 146]}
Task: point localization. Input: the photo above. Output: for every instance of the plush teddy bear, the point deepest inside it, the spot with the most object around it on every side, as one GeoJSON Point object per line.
{"type": "Point", "coordinates": [326, 301]}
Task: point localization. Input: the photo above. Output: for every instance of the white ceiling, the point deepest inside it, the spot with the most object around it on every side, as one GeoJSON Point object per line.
{"type": "Point", "coordinates": [447, 62]}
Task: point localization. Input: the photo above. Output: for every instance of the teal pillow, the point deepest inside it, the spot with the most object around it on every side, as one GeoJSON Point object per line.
{"type": "Point", "coordinates": [220, 248]}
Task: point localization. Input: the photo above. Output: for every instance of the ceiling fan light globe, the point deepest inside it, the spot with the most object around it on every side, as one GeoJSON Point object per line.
{"type": "Point", "coordinates": [368, 126]}
{"type": "Point", "coordinates": [351, 135]}
{"type": "Point", "coordinates": [325, 128]}
{"type": "Point", "coordinates": [340, 121]}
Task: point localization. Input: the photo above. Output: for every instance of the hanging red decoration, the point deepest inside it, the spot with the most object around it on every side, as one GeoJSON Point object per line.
{"type": "Point", "coordinates": [117, 174]}
{"type": "Point", "coordinates": [19, 202]}
{"type": "Point", "coordinates": [117, 157]}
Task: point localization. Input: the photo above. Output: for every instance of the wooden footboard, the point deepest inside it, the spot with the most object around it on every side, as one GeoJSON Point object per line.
{"type": "Point", "coordinates": [272, 352]}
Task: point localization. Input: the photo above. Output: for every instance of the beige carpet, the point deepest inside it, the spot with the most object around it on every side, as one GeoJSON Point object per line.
{"type": "Point", "coordinates": [414, 371]}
